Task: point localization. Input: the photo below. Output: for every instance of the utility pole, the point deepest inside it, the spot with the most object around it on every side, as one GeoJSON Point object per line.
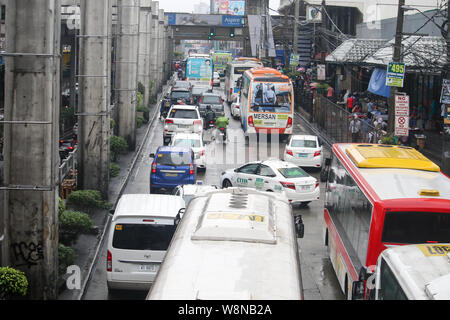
{"type": "Point", "coordinates": [445, 167]}
{"type": "Point", "coordinates": [296, 25]}
{"type": "Point", "coordinates": [396, 58]}
{"type": "Point", "coordinates": [95, 91]}
{"type": "Point", "coordinates": [31, 127]}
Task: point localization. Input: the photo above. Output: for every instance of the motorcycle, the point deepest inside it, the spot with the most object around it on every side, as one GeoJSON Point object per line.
{"type": "Point", "coordinates": [167, 104]}
{"type": "Point", "coordinates": [223, 134]}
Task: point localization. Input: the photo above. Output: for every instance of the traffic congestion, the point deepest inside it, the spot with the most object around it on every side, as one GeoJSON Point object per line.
{"type": "Point", "coordinates": [231, 168]}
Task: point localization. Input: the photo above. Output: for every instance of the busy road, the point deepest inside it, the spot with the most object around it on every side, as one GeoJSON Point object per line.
{"type": "Point", "coordinates": [319, 280]}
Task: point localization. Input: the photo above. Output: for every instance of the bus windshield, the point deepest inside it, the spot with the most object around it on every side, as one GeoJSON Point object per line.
{"type": "Point", "coordinates": [271, 97]}
{"type": "Point", "coordinates": [416, 227]}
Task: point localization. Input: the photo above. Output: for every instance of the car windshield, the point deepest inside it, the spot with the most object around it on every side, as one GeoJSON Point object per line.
{"type": "Point", "coordinates": [181, 84]}
{"type": "Point", "coordinates": [173, 159]}
{"type": "Point", "coordinates": [183, 114]}
{"type": "Point", "coordinates": [211, 100]}
{"type": "Point", "coordinates": [180, 94]}
{"type": "Point", "coordinates": [198, 91]}
{"type": "Point", "coordinates": [191, 143]}
{"type": "Point", "coordinates": [293, 172]}
{"type": "Point", "coordinates": [304, 143]}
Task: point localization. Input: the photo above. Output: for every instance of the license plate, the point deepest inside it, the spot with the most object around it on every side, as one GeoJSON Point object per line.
{"type": "Point", "coordinates": [171, 174]}
{"type": "Point", "coordinates": [148, 268]}
{"type": "Point", "coordinates": [305, 188]}
{"type": "Point", "coordinates": [183, 126]}
{"type": "Point", "coordinates": [303, 155]}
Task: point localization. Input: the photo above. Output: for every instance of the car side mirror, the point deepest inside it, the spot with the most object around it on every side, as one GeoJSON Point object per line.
{"type": "Point", "coordinates": [111, 212]}
{"type": "Point", "coordinates": [299, 227]}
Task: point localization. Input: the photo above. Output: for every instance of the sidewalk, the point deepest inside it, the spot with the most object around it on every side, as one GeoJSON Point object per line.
{"type": "Point", "coordinates": [88, 245]}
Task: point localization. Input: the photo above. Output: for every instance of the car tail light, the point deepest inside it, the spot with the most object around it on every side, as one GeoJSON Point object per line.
{"type": "Point", "coordinates": [250, 121]}
{"type": "Point", "coordinates": [202, 153]}
{"type": "Point", "coordinates": [70, 148]}
{"type": "Point", "coordinates": [237, 106]}
{"type": "Point", "coordinates": [289, 152]}
{"type": "Point", "coordinates": [212, 82]}
{"type": "Point", "coordinates": [288, 185]}
{"type": "Point", "coordinates": [108, 261]}
{"type": "Point", "coordinates": [168, 121]}
{"type": "Point", "coordinates": [289, 123]}
{"type": "Point", "coordinates": [198, 122]}
{"type": "Point", "coordinates": [317, 184]}
{"type": "Point", "coordinates": [154, 168]}
{"type": "Point", "coordinates": [222, 129]}
{"type": "Point", "coordinates": [191, 169]}
{"type": "Point", "coordinates": [317, 153]}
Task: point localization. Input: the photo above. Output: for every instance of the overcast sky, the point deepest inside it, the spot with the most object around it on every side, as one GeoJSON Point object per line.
{"type": "Point", "coordinates": [188, 5]}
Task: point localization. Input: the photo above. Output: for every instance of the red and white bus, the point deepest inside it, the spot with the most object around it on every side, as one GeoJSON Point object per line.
{"type": "Point", "coordinates": [378, 196]}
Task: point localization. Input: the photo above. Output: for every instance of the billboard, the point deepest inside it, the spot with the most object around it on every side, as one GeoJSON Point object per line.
{"type": "Point", "coordinates": [186, 19]}
{"type": "Point", "coordinates": [230, 7]}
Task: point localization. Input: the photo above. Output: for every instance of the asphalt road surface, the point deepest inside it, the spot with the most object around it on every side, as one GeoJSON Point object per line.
{"type": "Point", "coordinates": [319, 280]}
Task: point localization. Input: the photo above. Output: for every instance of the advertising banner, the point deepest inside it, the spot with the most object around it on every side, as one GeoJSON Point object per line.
{"type": "Point", "coordinates": [395, 75]}
{"type": "Point", "coordinates": [237, 8]}
{"type": "Point", "coordinates": [271, 97]}
{"type": "Point", "coordinates": [445, 94]}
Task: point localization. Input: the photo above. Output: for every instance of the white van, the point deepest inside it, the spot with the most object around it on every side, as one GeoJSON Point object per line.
{"type": "Point", "coordinates": [141, 230]}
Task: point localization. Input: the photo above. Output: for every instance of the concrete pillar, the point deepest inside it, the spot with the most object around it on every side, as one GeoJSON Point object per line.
{"type": "Point", "coordinates": [161, 49]}
{"type": "Point", "coordinates": [144, 54]}
{"type": "Point", "coordinates": [94, 94]}
{"type": "Point", "coordinates": [32, 104]}
{"type": "Point", "coordinates": [126, 69]}
{"type": "Point", "coordinates": [154, 49]}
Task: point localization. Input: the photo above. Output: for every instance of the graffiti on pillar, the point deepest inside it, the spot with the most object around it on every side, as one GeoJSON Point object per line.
{"type": "Point", "coordinates": [27, 254]}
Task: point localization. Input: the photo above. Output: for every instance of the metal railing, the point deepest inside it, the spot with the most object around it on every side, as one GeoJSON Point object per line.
{"type": "Point", "coordinates": [67, 164]}
{"type": "Point", "coordinates": [334, 121]}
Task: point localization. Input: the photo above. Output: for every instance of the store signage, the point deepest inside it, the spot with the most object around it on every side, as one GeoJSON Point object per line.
{"type": "Point", "coordinates": [395, 75]}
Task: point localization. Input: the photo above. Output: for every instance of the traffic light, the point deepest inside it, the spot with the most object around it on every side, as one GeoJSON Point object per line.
{"type": "Point", "coordinates": [232, 33]}
{"type": "Point", "coordinates": [211, 33]}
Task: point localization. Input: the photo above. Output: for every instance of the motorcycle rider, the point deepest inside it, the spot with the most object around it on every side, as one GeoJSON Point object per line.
{"type": "Point", "coordinates": [222, 122]}
{"type": "Point", "coordinates": [209, 116]}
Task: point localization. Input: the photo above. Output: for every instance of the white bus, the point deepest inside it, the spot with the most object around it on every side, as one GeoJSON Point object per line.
{"type": "Point", "coordinates": [267, 103]}
{"type": "Point", "coordinates": [412, 272]}
{"type": "Point", "coordinates": [234, 70]}
{"type": "Point", "coordinates": [199, 70]}
{"type": "Point", "coordinates": [233, 244]}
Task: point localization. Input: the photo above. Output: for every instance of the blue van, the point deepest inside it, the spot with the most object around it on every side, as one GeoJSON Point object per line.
{"type": "Point", "coordinates": [172, 166]}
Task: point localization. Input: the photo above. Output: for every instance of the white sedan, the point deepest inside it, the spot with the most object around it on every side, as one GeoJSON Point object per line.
{"type": "Point", "coordinates": [274, 176]}
{"type": "Point", "coordinates": [193, 141]}
{"type": "Point", "coordinates": [304, 151]}
{"type": "Point", "coordinates": [235, 107]}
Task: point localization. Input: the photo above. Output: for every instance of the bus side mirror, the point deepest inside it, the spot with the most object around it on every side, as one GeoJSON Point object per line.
{"type": "Point", "coordinates": [358, 290]}
{"type": "Point", "coordinates": [152, 155]}
{"type": "Point", "coordinates": [299, 227]}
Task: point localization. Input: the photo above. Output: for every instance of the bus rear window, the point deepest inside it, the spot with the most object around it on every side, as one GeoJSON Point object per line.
{"type": "Point", "coordinates": [143, 236]}
{"type": "Point", "coordinates": [416, 227]}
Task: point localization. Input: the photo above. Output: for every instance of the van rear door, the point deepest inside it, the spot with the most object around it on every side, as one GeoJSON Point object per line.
{"type": "Point", "coordinates": [138, 247]}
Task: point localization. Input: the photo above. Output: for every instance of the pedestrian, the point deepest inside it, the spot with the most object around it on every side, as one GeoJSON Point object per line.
{"type": "Point", "coordinates": [443, 106]}
{"type": "Point", "coordinates": [346, 95]}
{"type": "Point", "coordinates": [355, 128]}
{"type": "Point", "coordinates": [370, 106]}
{"type": "Point", "coordinates": [365, 125]}
{"type": "Point", "coordinates": [330, 93]}
{"type": "Point", "coordinates": [357, 108]}
{"type": "Point", "coordinates": [350, 101]}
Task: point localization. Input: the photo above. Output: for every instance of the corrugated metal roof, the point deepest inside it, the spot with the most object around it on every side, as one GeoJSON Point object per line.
{"type": "Point", "coordinates": [418, 52]}
{"type": "Point", "coordinates": [355, 50]}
